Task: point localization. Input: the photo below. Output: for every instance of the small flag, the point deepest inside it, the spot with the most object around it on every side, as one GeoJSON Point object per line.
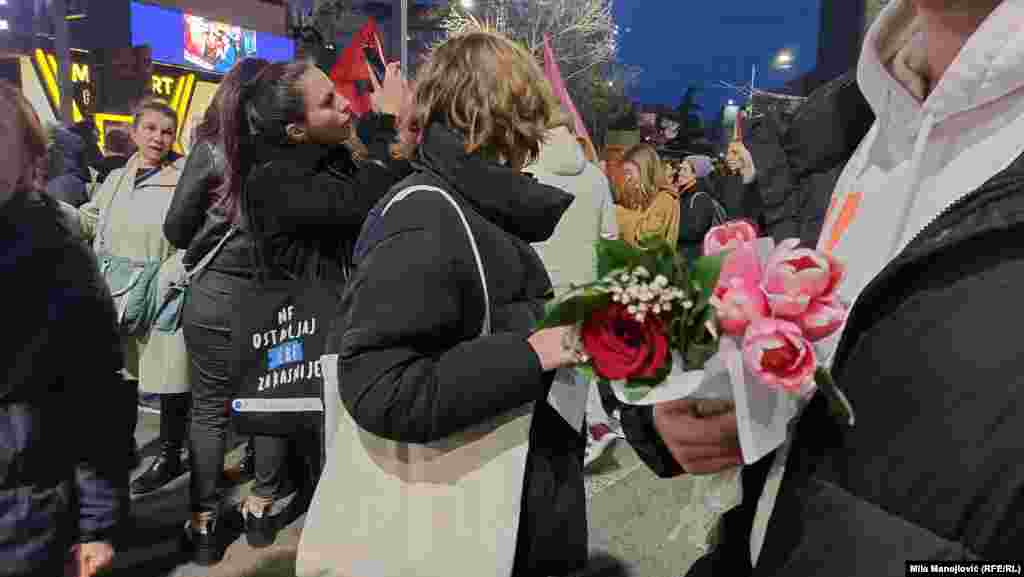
{"type": "Point", "coordinates": [351, 73]}
{"type": "Point", "coordinates": [554, 76]}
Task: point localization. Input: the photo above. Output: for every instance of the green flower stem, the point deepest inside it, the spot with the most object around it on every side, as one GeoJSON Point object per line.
{"type": "Point", "coordinates": [839, 406]}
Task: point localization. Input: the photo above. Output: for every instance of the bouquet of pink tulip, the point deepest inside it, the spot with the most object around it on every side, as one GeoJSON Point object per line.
{"type": "Point", "coordinates": [736, 328]}
{"type": "Point", "coordinates": [777, 301]}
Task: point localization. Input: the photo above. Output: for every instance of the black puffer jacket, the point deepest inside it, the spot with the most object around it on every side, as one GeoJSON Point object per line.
{"type": "Point", "coordinates": [799, 160]}
{"type": "Point", "coordinates": [415, 367]}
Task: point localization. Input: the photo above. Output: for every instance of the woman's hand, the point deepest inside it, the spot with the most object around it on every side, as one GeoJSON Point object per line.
{"type": "Point", "coordinates": [556, 347]}
{"type": "Point", "coordinates": [88, 559]}
{"type": "Point", "coordinates": [388, 97]}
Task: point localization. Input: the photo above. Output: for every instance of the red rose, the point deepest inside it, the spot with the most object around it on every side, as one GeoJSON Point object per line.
{"type": "Point", "coordinates": [622, 348]}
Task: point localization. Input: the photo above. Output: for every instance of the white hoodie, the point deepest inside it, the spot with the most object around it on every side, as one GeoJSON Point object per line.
{"type": "Point", "coordinates": [923, 153]}
{"type": "Point", "coordinates": [569, 254]}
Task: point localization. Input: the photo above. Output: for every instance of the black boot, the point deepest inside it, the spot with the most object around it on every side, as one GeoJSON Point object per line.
{"type": "Point", "coordinates": [207, 541]}
{"type": "Point", "coordinates": [169, 464]}
{"type": "Point", "coordinates": [167, 467]}
{"type": "Point", "coordinates": [260, 531]}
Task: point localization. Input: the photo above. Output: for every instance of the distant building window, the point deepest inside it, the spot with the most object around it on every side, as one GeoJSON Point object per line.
{"type": "Point", "coordinates": [4, 25]}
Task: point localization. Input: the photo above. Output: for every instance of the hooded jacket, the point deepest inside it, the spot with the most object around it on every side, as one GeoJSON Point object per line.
{"type": "Point", "coordinates": [927, 216]}
{"type": "Point", "coordinates": [71, 184]}
{"type": "Point", "coordinates": [569, 255]}
{"type": "Point", "coordinates": [798, 160]}
{"type": "Point", "coordinates": [415, 368]}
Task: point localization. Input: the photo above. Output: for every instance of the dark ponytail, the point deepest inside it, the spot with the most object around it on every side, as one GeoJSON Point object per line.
{"type": "Point", "coordinates": [221, 128]}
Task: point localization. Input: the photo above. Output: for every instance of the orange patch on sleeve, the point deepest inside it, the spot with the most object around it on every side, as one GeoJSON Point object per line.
{"type": "Point", "coordinates": [851, 204]}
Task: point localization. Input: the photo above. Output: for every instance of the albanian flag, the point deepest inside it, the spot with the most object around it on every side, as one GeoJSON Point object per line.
{"type": "Point", "coordinates": [351, 73]}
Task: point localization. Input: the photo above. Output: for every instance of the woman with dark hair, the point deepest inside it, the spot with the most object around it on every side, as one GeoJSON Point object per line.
{"type": "Point", "coordinates": [204, 209]}
{"type": "Point", "coordinates": [63, 406]}
{"type": "Point", "coordinates": [299, 198]}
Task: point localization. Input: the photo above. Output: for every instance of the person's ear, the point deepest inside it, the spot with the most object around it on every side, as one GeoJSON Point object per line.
{"type": "Point", "coordinates": [296, 133]}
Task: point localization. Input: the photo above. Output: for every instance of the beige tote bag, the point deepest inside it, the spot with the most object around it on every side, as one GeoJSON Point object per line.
{"type": "Point", "coordinates": [445, 509]}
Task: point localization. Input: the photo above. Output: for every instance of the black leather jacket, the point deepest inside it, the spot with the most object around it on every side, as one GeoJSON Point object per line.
{"type": "Point", "coordinates": [194, 224]}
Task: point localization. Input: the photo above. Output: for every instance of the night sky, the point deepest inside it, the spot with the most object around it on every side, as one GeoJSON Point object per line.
{"type": "Point", "coordinates": [679, 42]}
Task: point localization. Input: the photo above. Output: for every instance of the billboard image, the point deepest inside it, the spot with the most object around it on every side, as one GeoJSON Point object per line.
{"type": "Point", "coordinates": [215, 46]}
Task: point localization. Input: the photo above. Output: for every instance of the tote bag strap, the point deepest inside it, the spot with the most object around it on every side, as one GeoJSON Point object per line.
{"type": "Point", "coordinates": [406, 192]}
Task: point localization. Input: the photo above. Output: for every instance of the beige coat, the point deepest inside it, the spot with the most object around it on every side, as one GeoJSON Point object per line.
{"type": "Point", "coordinates": [569, 254]}
{"type": "Point", "coordinates": [133, 227]}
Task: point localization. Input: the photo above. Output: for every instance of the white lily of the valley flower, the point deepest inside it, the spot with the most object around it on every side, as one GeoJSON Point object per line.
{"type": "Point", "coordinates": [661, 281]}
{"type": "Point", "coordinates": [687, 305]}
{"type": "Point", "coordinates": [641, 272]}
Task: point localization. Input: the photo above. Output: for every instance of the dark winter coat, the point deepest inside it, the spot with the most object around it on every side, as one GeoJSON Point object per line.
{"type": "Point", "coordinates": [64, 446]}
{"type": "Point", "coordinates": [798, 162]}
{"type": "Point", "coordinates": [934, 468]}
{"type": "Point", "coordinates": [70, 182]}
{"type": "Point", "coordinates": [697, 216]}
{"type": "Point", "coordinates": [415, 368]}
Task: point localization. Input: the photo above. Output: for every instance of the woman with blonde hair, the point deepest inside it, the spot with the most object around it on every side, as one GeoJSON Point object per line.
{"type": "Point", "coordinates": [647, 202]}
{"type": "Point", "coordinates": [439, 354]}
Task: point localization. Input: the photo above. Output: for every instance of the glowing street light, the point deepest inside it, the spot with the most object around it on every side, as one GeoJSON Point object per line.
{"type": "Point", "coordinates": [467, 4]}
{"type": "Point", "coordinates": [784, 59]}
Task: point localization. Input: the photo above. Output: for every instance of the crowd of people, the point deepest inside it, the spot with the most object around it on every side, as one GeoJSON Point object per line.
{"type": "Point", "coordinates": [908, 170]}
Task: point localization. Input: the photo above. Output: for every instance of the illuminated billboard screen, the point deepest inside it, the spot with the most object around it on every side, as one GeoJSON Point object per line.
{"type": "Point", "coordinates": [216, 46]}
{"type": "Point", "coordinates": [195, 42]}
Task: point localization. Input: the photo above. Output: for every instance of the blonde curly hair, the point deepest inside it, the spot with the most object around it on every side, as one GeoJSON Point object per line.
{"type": "Point", "coordinates": [490, 90]}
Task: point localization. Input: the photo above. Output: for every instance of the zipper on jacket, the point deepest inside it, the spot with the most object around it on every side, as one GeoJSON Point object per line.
{"type": "Point", "coordinates": [900, 260]}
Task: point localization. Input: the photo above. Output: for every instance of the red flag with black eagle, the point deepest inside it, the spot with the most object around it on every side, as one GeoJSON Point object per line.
{"type": "Point", "coordinates": [351, 73]}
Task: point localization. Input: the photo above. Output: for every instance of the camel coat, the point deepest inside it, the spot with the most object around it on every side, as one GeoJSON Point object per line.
{"type": "Point", "coordinates": [132, 219]}
{"type": "Point", "coordinates": [662, 217]}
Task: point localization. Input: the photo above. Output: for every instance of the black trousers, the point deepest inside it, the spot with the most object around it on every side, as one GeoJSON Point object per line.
{"type": "Point", "coordinates": [207, 324]}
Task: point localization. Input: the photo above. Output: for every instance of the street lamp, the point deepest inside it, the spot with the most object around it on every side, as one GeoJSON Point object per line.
{"type": "Point", "coordinates": [467, 4]}
{"type": "Point", "coordinates": [784, 59]}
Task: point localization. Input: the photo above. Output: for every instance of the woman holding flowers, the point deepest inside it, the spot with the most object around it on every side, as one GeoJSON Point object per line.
{"type": "Point", "coordinates": [648, 204]}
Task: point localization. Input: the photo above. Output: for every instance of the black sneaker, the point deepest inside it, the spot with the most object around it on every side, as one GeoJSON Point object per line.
{"type": "Point", "coordinates": [260, 532]}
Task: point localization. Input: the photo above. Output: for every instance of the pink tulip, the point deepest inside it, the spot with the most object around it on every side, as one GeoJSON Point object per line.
{"type": "Point", "coordinates": [795, 277]}
{"type": "Point", "coordinates": [737, 305]}
{"type": "Point", "coordinates": [821, 319]}
{"type": "Point", "coordinates": [728, 236]}
{"type": "Point", "coordinates": [738, 298]}
{"type": "Point", "coordinates": [777, 353]}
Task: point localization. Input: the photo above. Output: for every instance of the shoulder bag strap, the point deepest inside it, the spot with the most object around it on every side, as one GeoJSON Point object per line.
{"type": "Point", "coordinates": [208, 258]}
{"type": "Point", "coordinates": [720, 215]}
{"type": "Point", "coordinates": [472, 242]}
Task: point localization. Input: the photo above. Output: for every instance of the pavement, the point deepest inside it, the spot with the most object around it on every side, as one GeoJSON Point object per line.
{"type": "Point", "coordinates": [634, 519]}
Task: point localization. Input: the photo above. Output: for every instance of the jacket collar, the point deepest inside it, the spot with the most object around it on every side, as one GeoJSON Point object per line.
{"type": "Point", "coordinates": [168, 175]}
{"type": "Point", "coordinates": [512, 200]}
